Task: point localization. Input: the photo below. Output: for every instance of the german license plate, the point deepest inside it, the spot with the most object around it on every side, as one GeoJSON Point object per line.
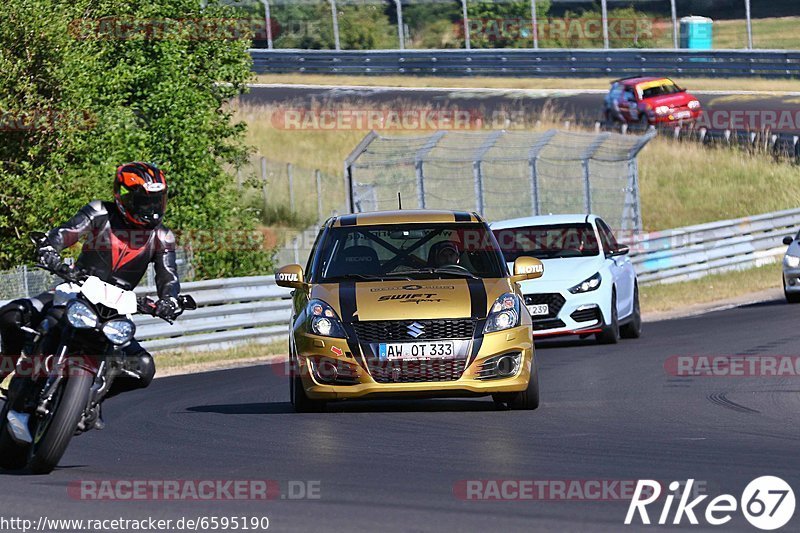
{"type": "Point", "coordinates": [416, 350]}
{"type": "Point", "coordinates": [682, 114]}
{"type": "Point", "coordinates": [539, 309]}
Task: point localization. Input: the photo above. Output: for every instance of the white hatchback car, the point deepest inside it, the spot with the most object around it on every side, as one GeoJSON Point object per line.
{"type": "Point", "coordinates": [589, 286]}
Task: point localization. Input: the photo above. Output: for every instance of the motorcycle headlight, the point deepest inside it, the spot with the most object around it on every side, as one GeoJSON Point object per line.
{"type": "Point", "coordinates": [791, 261]}
{"type": "Point", "coordinates": [81, 316]}
{"type": "Point", "coordinates": [662, 110]}
{"type": "Point", "coordinates": [504, 313]}
{"type": "Point", "coordinates": [119, 331]}
{"type": "Point", "coordinates": [323, 320]}
{"type": "Point", "coordinates": [587, 285]}
{"type": "Point", "coordinates": [694, 104]}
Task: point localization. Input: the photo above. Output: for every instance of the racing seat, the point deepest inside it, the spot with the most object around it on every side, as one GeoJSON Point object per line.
{"type": "Point", "coordinates": [359, 260]}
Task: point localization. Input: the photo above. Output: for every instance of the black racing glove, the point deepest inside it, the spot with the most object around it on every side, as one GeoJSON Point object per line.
{"type": "Point", "coordinates": [48, 257]}
{"type": "Point", "coordinates": [168, 308]}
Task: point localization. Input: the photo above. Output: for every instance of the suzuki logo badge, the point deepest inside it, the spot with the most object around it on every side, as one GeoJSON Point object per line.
{"type": "Point", "coordinates": [416, 329]}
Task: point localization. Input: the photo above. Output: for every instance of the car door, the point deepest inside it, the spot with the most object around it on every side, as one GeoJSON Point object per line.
{"type": "Point", "coordinates": [621, 269]}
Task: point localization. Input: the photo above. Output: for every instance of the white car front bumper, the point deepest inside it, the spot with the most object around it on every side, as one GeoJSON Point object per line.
{"type": "Point", "coordinates": [570, 314]}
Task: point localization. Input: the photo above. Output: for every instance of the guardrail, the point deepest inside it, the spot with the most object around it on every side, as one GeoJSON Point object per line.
{"type": "Point", "coordinates": [695, 251]}
{"type": "Point", "coordinates": [532, 62]}
{"type": "Point", "coordinates": [255, 310]}
{"type": "Point", "coordinates": [230, 311]}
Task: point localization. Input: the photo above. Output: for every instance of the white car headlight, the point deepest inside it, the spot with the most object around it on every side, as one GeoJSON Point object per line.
{"type": "Point", "coordinates": [587, 285]}
{"type": "Point", "coordinates": [504, 313]}
{"type": "Point", "coordinates": [694, 104]}
{"type": "Point", "coordinates": [791, 261]}
{"type": "Point", "coordinates": [81, 316]}
{"type": "Point", "coordinates": [662, 110]}
{"type": "Point", "coordinates": [119, 331]}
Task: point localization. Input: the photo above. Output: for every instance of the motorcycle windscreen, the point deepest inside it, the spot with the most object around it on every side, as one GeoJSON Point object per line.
{"type": "Point", "coordinates": [99, 292]}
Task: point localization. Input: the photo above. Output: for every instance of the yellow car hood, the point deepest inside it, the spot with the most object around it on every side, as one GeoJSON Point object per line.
{"type": "Point", "coordinates": [412, 300]}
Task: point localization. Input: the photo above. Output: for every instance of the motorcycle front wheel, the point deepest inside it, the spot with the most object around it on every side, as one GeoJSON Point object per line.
{"type": "Point", "coordinates": [53, 433]}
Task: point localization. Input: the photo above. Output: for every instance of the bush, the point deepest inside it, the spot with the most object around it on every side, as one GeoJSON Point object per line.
{"type": "Point", "coordinates": [110, 81]}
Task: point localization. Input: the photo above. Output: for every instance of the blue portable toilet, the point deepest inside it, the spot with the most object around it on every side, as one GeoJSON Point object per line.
{"type": "Point", "coordinates": [697, 33]}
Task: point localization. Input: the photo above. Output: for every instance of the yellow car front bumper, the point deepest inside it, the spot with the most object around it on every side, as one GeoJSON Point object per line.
{"type": "Point", "coordinates": [310, 349]}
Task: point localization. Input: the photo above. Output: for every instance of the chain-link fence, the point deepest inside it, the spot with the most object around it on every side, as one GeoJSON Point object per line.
{"type": "Point", "coordinates": [501, 174]}
{"type": "Point", "coordinates": [286, 194]}
{"type": "Point", "coordinates": [472, 24]}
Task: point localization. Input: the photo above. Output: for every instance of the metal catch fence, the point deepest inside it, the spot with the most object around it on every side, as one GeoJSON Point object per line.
{"type": "Point", "coordinates": [501, 174]}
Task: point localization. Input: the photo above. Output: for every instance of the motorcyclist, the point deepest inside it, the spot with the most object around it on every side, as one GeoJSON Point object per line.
{"type": "Point", "coordinates": [121, 239]}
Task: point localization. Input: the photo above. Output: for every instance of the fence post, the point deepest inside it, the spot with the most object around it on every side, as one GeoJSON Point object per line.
{"type": "Point", "coordinates": [535, 24]}
{"type": "Point", "coordinates": [466, 24]}
{"type": "Point", "coordinates": [25, 286]}
{"type": "Point", "coordinates": [268, 19]}
{"type": "Point", "coordinates": [239, 179]}
{"type": "Point", "coordinates": [477, 174]}
{"type": "Point", "coordinates": [419, 159]}
{"type": "Point", "coordinates": [674, 24]}
{"type": "Point", "coordinates": [335, 20]}
{"type": "Point", "coordinates": [264, 182]}
{"type": "Point", "coordinates": [477, 171]}
{"type": "Point", "coordinates": [400, 36]}
{"type": "Point", "coordinates": [318, 179]}
{"type": "Point", "coordinates": [749, 25]}
{"type": "Point", "coordinates": [533, 159]}
{"type": "Point", "coordinates": [585, 158]}
{"type": "Point", "coordinates": [290, 175]}
{"type": "Point", "coordinates": [604, 6]}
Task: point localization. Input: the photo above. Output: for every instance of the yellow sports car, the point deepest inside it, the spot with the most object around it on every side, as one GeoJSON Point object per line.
{"type": "Point", "coordinates": [410, 304]}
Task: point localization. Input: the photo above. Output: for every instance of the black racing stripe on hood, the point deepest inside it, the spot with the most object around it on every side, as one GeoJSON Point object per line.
{"type": "Point", "coordinates": [348, 308]}
{"type": "Point", "coordinates": [477, 298]}
{"type": "Point", "coordinates": [477, 342]}
{"type": "Point", "coordinates": [348, 220]}
{"type": "Point", "coordinates": [347, 301]}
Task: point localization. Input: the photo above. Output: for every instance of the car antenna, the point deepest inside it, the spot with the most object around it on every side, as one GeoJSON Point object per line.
{"type": "Point", "coordinates": [399, 201]}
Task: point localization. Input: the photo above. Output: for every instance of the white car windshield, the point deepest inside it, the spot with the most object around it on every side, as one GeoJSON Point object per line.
{"type": "Point", "coordinates": [548, 242]}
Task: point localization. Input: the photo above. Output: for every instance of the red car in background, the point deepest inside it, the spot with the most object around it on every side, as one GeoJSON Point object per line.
{"type": "Point", "coordinates": [650, 101]}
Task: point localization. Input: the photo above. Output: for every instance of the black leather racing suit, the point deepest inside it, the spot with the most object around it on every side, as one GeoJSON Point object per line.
{"type": "Point", "coordinates": [113, 251]}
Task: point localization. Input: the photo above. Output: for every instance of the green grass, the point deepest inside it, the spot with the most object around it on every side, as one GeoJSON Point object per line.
{"type": "Point", "coordinates": [168, 362]}
{"type": "Point", "coordinates": [768, 33]}
{"type": "Point", "coordinates": [716, 287]}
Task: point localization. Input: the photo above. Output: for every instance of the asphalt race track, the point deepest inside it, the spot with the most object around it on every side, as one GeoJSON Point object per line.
{"type": "Point", "coordinates": [608, 413]}
{"type": "Point", "coordinates": [723, 110]}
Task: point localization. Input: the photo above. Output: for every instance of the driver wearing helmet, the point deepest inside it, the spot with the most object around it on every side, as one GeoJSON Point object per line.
{"type": "Point", "coordinates": [121, 240]}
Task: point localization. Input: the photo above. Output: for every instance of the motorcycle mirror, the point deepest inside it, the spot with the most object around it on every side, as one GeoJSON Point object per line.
{"type": "Point", "coordinates": [188, 303]}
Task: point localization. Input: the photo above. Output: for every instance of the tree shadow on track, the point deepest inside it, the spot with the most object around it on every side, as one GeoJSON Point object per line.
{"type": "Point", "coordinates": [366, 406]}
{"type": "Point", "coordinates": [564, 343]}
{"type": "Point", "coordinates": [277, 408]}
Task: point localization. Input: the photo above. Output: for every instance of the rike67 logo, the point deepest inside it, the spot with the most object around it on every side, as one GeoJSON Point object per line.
{"type": "Point", "coordinates": [767, 503]}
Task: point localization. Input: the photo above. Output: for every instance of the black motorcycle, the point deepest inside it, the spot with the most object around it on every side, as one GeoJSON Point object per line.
{"type": "Point", "coordinates": [68, 368]}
